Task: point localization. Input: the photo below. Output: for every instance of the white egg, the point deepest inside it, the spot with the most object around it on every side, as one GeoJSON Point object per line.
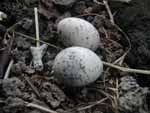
{"type": "Point", "coordinates": [78, 32]}
{"type": "Point", "coordinates": [77, 66]}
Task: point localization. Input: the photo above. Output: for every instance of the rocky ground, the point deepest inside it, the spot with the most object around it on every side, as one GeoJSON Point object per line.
{"type": "Point", "coordinates": [29, 91]}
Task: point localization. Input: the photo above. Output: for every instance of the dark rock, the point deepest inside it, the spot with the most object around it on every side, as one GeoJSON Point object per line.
{"type": "Point", "coordinates": [12, 87]}
{"type": "Point", "coordinates": [49, 65]}
{"type": "Point", "coordinates": [27, 23]}
{"type": "Point", "coordinates": [132, 97]}
{"type": "Point", "coordinates": [18, 55]}
{"type": "Point", "coordinates": [48, 10]}
{"type": "Point", "coordinates": [18, 68]}
{"type": "Point", "coordinates": [22, 43]}
{"type": "Point", "coordinates": [2, 30]}
{"type": "Point", "coordinates": [79, 7]}
{"type": "Point", "coordinates": [29, 2]}
{"type": "Point", "coordinates": [14, 104]}
{"type": "Point", "coordinates": [52, 94]}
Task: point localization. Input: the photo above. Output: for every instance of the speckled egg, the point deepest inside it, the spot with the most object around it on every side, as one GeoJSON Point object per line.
{"type": "Point", "coordinates": [78, 32]}
{"type": "Point", "coordinates": [77, 66]}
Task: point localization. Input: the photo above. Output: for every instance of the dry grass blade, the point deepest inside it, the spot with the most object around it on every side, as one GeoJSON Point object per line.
{"type": "Point", "coordinates": [100, 3]}
{"type": "Point", "coordinates": [8, 69]}
{"type": "Point", "coordinates": [32, 86]}
{"type": "Point", "coordinates": [129, 70]}
{"type": "Point", "coordinates": [32, 38]}
{"type": "Point", "coordinates": [126, 1]}
{"type": "Point", "coordinates": [109, 12]}
{"type": "Point", "coordinates": [92, 104]}
{"type": "Point", "coordinates": [32, 105]}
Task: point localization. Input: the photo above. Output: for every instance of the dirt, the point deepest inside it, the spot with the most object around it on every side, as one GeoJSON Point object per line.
{"type": "Point", "coordinates": [135, 20]}
{"type": "Point", "coordinates": [118, 92]}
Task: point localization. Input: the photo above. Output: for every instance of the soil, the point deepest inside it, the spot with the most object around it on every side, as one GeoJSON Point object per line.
{"type": "Point", "coordinates": [116, 92]}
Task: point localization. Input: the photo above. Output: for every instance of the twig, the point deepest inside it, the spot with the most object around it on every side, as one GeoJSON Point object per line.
{"type": "Point", "coordinates": [116, 98]}
{"type": "Point", "coordinates": [88, 14]}
{"type": "Point", "coordinates": [37, 27]}
{"type": "Point", "coordinates": [108, 88]}
{"type": "Point", "coordinates": [117, 88]}
{"type": "Point", "coordinates": [125, 35]}
{"type": "Point", "coordinates": [126, 1]}
{"type": "Point", "coordinates": [106, 94]}
{"type": "Point", "coordinates": [129, 70]}
{"type": "Point", "coordinates": [121, 59]}
{"type": "Point", "coordinates": [32, 38]}
{"type": "Point", "coordinates": [100, 3]}
{"type": "Point", "coordinates": [39, 107]}
{"type": "Point", "coordinates": [109, 12]}
{"type": "Point", "coordinates": [92, 105]}
{"type": "Point", "coordinates": [32, 86]}
{"type": "Point", "coordinates": [8, 69]}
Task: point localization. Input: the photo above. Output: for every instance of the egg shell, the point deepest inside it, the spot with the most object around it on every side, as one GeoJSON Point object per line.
{"type": "Point", "coordinates": [77, 66]}
{"type": "Point", "coordinates": [78, 32]}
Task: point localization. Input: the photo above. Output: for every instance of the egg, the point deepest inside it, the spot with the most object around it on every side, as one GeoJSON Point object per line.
{"type": "Point", "coordinates": [77, 66]}
{"type": "Point", "coordinates": [78, 32]}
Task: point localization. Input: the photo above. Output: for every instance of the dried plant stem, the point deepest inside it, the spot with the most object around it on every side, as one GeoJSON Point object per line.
{"type": "Point", "coordinates": [100, 3]}
{"type": "Point", "coordinates": [109, 12]}
{"type": "Point", "coordinates": [39, 107]}
{"type": "Point", "coordinates": [129, 70]}
{"type": "Point", "coordinates": [32, 86]}
{"type": "Point", "coordinates": [37, 27]}
{"type": "Point", "coordinates": [92, 104]}
{"type": "Point", "coordinates": [8, 69]}
{"type": "Point", "coordinates": [116, 98]}
{"type": "Point", "coordinates": [32, 38]}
